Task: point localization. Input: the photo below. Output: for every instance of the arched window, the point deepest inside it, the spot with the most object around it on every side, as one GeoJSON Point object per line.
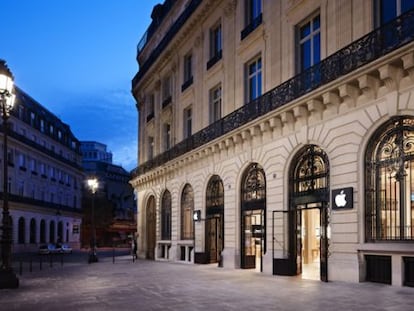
{"type": "Point", "coordinates": [32, 231]}
{"type": "Point", "coordinates": [187, 208]}
{"type": "Point", "coordinates": [310, 172]}
{"type": "Point", "coordinates": [166, 216]}
{"type": "Point", "coordinates": [60, 232]}
{"type": "Point", "coordinates": [215, 193]}
{"type": "Point", "coordinates": [389, 182]}
{"type": "Point", "coordinates": [22, 231]}
{"type": "Point", "coordinates": [254, 185]}
{"type": "Point", "coordinates": [52, 232]}
{"type": "Point", "coordinates": [42, 231]}
{"type": "Point", "coordinates": [67, 232]}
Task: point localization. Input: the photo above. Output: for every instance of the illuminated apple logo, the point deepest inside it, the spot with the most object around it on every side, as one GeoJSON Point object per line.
{"type": "Point", "coordinates": [340, 199]}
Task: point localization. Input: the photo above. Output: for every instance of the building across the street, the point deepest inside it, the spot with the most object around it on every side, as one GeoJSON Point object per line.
{"type": "Point", "coordinates": [115, 202]}
{"type": "Point", "coordinates": [44, 177]}
{"type": "Point", "coordinates": [279, 136]}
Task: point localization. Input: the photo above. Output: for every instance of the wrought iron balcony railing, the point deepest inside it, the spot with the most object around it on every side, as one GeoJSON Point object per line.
{"type": "Point", "coordinates": [372, 46]}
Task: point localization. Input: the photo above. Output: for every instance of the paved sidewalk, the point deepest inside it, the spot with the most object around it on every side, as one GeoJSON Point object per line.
{"type": "Point", "coordinates": [148, 285]}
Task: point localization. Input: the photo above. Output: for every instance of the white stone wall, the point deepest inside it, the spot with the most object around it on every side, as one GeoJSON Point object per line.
{"type": "Point", "coordinates": [339, 117]}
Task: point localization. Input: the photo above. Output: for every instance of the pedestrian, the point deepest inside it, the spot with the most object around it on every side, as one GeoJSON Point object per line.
{"type": "Point", "coordinates": [134, 248]}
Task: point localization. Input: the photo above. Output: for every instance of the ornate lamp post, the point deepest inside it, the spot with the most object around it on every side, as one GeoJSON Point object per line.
{"type": "Point", "coordinates": [93, 186]}
{"type": "Point", "coordinates": [8, 278]}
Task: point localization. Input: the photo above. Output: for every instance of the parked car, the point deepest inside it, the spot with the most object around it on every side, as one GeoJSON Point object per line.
{"type": "Point", "coordinates": [66, 249]}
{"type": "Point", "coordinates": [45, 249]}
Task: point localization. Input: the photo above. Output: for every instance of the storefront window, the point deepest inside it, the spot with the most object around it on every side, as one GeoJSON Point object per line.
{"type": "Point", "coordinates": [389, 182]}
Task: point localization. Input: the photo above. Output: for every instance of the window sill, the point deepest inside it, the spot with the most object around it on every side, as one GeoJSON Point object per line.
{"type": "Point", "coordinates": [186, 84]}
{"type": "Point", "coordinates": [252, 26]}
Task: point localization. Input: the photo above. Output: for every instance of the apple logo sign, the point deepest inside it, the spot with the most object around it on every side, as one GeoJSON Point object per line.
{"type": "Point", "coordinates": [342, 198]}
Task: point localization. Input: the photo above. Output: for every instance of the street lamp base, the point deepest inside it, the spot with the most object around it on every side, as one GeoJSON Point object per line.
{"type": "Point", "coordinates": [8, 279]}
{"type": "Point", "coordinates": [92, 258]}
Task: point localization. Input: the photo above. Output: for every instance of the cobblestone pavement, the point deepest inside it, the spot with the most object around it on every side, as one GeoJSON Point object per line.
{"type": "Point", "coordinates": [149, 285]}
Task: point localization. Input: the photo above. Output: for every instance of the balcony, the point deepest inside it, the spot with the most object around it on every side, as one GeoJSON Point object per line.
{"type": "Point", "coordinates": [371, 47]}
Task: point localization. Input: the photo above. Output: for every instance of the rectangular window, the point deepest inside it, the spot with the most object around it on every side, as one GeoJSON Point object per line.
{"type": "Point", "coordinates": [187, 122]}
{"type": "Point", "coordinates": [167, 136]}
{"type": "Point", "coordinates": [215, 45]}
{"type": "Point", "coordinates": [22, 160]}
{"type": "Point", "coordinates": [188, 71]}
{"type": "Point", "coordinates": [33, 166]}
{"type": "Point", "coordinates": [150, 147]}
{"type": "Point", "coordinates": [309, 51]}
{"type": "Point", "coordinates": [253, 16]}
{"type": "Point", "coordinates": [42, 125]}
{"type": "Point", "coordinates": [309, 43]}
{"type": "Point", "coordinates": [10, 157]}
{"type": "Point", "coordinates": [43, 169]}
{"type": "Point", "coordinates": [21, 188]}
{"type": "Point", "coordinates": [166, 91]}
{"type": "Point", "coordinates": [254, 79]}
{"type": "Point", "coordinates": [253, 10]}
{"type": "Point", "coordinates": [387, 10]}
{"type": "Point", "coordinates": [32, 118]}
{"type": "Point", "coordinates": [150, 107]}
{"type": "Point", "coordinates": [215, 104]}
{"type": "Point", "coordinates": [21, 113]}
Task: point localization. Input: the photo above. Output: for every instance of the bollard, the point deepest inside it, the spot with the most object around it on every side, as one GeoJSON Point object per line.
{"type": "Point", "coordinates": [113, 255]}
{"type": "Point", "coordinates": [61, 259]}
{"type": "Point", "coordinates": [31, 264]}
{"type": "Point", "coordinates": [40, 263]}
{"type": "Point", "coordinates": [21, 267]}
{"type": "Point", "coordinates": [51, 260]}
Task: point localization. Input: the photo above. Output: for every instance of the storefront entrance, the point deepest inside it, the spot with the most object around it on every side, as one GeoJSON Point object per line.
{"type": "Point", "coordinates": [253, 239]}
{"type": "Point", "coordinates": [309, 241]}
{"type": "Point", "coordinates": [214, 234]}
{"type": "Point", "coordinates": [300, 233]}
{"type": "Point", "coordinates": [253, 220]}
{"type": "Point", "coordinates": [150, 232]}
{"type": "Point", "coordinates": [214, 238]}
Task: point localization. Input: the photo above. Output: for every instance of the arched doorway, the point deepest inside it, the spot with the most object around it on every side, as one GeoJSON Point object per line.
{"type": "Point", "coordinates": [22, 231]}
{"type": "Point", "coordinates": [166, 216]}
{"type": "Point", "coordinates": [253, 217]}
{"type": "Point", "coordinates": [151, 229]}
{"type": "Point", "coordinates": [308, 217]}
{"type": "Point", "coordinates": [32, 237]}
{"type": "Point", "coordinates": [214, 219]}
{"type": "Point", "coordinates": [42, 231]}
{"type": "Point", "coordinates": [60, 232]}
{"type": "Point", "coordinates": [52, 232]}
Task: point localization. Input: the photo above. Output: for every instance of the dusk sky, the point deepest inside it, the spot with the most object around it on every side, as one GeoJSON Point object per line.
{"type": "Point", "coordinates": [77, 59]}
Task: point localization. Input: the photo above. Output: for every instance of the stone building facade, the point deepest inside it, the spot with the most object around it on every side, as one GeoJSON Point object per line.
{"type": "Point", "coordinates": [278, 136]}
{"type": "Point", "coordinates": [44, 177]}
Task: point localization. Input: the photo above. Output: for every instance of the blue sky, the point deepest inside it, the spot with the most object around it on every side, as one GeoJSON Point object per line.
{"type": "Point", "coordinates": [77, 58]}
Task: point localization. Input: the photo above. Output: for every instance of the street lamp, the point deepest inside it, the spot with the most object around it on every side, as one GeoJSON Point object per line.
{"type": "Point", "coordinates": [93, 186]}
{"type": "Point", "coordinates": [8, 278]}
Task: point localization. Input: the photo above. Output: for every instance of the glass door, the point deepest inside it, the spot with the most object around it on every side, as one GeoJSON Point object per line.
{"type": "Point", "coordinates": [214, 239]}
{"type": "Point", "coordinates": [253, 234]}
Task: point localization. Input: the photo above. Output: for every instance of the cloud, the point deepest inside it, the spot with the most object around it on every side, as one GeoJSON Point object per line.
{"type": "Point", "coordinates": [108, 117]}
